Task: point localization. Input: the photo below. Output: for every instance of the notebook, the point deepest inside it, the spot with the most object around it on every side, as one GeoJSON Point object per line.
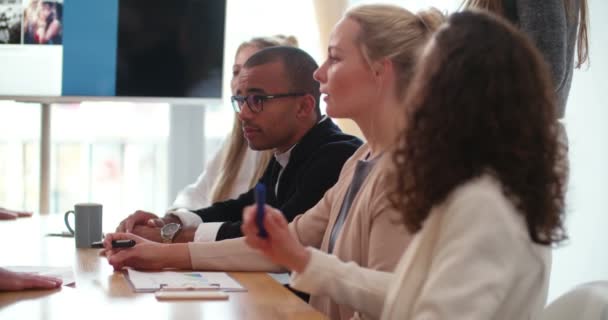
{"type": "Point", "coordinates": [142, 281]}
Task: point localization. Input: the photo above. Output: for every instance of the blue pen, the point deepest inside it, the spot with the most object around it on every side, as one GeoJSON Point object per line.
{"type": "Point", "coordinates": [260, 200]}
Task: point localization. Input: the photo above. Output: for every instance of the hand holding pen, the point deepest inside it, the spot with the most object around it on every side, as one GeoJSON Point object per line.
{"type": "Point", "coordinates": [125, 243]}
{"type": "Point", "coordinates": [260, 202]}
{"type": "Point", "coordinates": [278, 243]}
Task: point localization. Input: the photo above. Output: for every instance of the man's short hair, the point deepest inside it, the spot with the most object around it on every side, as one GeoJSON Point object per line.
{"type": "Point", "coordinates": [298, 66]}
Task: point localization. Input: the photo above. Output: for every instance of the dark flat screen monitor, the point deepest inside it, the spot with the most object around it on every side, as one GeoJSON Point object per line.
{"type": "Point", "coordinates": [117, 49]}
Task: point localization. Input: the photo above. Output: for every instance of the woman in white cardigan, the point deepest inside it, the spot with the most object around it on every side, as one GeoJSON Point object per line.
{"type": "Point", "coordinates": [478, 182]}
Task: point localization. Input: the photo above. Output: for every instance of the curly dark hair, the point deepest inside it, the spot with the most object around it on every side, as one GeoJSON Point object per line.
{"type": "Point", "coordinates": [482, 101]}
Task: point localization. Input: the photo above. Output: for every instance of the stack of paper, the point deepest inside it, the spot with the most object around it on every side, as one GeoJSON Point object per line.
{"type": "Point", "coordinates": [191, 280]}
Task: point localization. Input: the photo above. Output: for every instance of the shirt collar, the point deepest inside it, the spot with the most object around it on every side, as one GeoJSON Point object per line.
{"type": "Point", "coordinates": [323, 118]}
{"type": "Point", "coordinates": [283, 158]}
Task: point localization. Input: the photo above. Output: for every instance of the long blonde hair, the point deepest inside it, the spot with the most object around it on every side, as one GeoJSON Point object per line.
{"type": "Point", "coordinates": [232, 159]}
{"type": "Point", "coordinates": [392, 32]}
{"type": "Point", "coordinates": [582, 41]}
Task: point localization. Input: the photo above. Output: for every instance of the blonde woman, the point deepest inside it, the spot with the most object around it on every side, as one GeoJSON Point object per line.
{"type": "Point", "coordinates": [235, 168]}
{"type": "Point", "coordinates": [371, 59]}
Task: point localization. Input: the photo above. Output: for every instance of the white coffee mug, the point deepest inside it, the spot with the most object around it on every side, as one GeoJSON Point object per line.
{"type": "Point", "coordinates": [87, 218]}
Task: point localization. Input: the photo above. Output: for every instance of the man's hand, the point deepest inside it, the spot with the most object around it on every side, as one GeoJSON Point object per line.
{"type": "Point", "coordinates": [153, 234]}
{"type": "Point", "coordinates": [146, 255]}
{"type": "Point", "coordinates": [186, 234]}
{"type": "Point", "coordinates": [146, 232]}
{"type": "Point", "coordinates": [138, 218]}
{"type": "Point", "coordinates": [145, 218]}
{"type": "Point", "coordinates": [7, 214]}
{"type": "Point", "coordinates": [13, 281]}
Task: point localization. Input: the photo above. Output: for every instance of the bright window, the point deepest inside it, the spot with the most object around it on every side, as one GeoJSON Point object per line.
{"type": "Point", "coordinates": [111, 153]}
{"type": "Point", "coordinates": [19, 155]}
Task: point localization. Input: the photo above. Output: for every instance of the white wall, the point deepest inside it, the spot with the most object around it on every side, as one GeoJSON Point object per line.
{"type": "Point", "coordinates": [585, 256]}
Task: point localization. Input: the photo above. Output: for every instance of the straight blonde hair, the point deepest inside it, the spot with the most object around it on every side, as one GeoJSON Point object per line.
{"type": "Point", "coordinates": [394, 33]}
{"type": "Point", "coordinates": [232, 159]}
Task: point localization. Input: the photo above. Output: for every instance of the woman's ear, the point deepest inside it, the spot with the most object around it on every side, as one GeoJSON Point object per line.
{"type": "Point", "coordinates": [382, 67]}
{"type": "Point", "coordinates": [383, 73]}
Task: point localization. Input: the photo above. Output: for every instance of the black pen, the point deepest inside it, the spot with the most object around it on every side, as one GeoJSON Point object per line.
{"type": "Point", "coordinates": [115, 244]}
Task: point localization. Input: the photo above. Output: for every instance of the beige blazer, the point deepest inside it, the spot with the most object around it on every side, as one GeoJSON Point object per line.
{"type": "Point", "coordinates": [473, 259]}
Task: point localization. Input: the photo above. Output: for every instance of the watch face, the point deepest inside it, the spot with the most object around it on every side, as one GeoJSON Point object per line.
{"type": "Point", "coordinates": [170, 229]}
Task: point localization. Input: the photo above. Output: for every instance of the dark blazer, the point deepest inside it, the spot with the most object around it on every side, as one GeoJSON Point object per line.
{"type": "Point", "coordinates": [314, 166]}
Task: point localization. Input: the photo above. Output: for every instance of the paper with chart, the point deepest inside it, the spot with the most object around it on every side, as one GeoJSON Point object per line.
{"type": "Point", "coordinates": [142, 281]}
{"type": "Point", "coordinates": [64, 273]}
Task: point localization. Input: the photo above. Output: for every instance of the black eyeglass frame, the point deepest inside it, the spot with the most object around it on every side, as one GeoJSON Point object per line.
{"type": "Point", "coordinates": [237, 101]}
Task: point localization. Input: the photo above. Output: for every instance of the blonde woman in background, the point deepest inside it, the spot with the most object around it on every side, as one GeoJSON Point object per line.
{"type": "Point", "coordinates": [235, 168]}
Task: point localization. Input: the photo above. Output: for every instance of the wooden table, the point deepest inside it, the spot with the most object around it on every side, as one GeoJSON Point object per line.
{"type": "Point", "coordinates": [101, 293]}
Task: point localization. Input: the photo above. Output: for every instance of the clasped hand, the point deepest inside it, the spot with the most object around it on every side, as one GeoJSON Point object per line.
{"type": "Point", "coordinates": [140, 218]}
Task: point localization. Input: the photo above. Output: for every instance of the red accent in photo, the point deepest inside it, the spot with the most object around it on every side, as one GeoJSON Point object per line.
{"type": "Point", "coordinates": [43, 21]}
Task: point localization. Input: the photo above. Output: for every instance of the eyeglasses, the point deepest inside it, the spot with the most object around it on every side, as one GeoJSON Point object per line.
{"type": "Point", "coordinates": [255, 102]}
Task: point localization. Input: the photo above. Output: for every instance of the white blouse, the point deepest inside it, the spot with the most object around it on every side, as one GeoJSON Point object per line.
{"type": "Point", "coordinates": [198, 195]}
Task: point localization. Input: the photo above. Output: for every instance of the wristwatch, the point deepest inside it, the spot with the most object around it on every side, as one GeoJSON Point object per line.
{"type": "Point", "coordinates": [168, 232]}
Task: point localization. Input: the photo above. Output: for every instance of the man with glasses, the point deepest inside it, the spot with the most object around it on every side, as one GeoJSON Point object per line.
{"type": "Point", "coordinates": [277, 101]}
